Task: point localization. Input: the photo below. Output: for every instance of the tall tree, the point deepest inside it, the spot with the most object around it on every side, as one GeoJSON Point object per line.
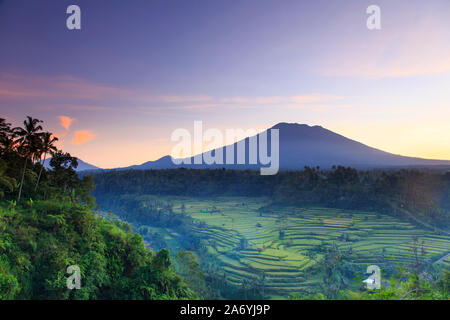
{"type": "Point", "coordinates": [47, 145]}
{"type": "Point", "coordinates": [29, 137]}
{"type": "Point", "coordinates": [63, 174]}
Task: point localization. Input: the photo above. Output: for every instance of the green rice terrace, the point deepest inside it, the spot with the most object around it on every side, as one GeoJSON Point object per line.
{"type": "Point", "coordinates": [250, 242]}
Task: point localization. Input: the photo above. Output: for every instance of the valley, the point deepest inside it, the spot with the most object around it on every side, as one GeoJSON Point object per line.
{"type": "Point", "coordinates": [279, 249]}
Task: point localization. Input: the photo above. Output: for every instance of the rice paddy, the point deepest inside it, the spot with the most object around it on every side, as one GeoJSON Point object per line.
{"type": "Point", "coordinates": [279, 243]}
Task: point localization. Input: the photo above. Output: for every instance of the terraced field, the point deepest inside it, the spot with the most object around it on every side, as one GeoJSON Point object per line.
{"type": "Point", "coordinates": [248, 243]}
{"type": "Point", "coordinates": [445, 262]}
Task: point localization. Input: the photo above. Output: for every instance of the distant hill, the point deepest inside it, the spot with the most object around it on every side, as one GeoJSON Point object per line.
{"type": "Point", "coordinates": [162, 163]}
{"type": "Point", "coordinates": [82, 166]}
{"type": "Point", "coordinates": [302, 145]}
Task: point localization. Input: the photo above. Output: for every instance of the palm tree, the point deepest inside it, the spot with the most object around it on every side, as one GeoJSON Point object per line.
{"type": "Point", "coordinates": [28, 143]}
{"type": "Point", "coordinates": [47, 145]}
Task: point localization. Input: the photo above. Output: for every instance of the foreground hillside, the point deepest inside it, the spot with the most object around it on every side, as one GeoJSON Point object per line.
{"type": "Point", "coordinates": [47, 224]}
{"type": "Point", "coordinates": [39, 242]}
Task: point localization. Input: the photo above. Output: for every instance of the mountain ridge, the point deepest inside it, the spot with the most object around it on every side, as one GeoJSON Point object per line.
{"type": "Point", "coordinates": [302, 145]}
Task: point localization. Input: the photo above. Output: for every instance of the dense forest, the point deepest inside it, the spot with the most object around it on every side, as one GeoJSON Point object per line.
{"type": "Point", "coordinates": [415, 194]}
{"type": "Point", "coordinates": [48, 222]}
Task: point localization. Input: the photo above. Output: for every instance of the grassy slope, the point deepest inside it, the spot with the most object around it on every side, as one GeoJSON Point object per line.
{"type": "Point", "coordinates": [39, 242]}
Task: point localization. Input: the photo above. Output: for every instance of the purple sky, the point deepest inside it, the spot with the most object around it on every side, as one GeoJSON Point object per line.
{"type": "Point", "coordinates": [140, 69]}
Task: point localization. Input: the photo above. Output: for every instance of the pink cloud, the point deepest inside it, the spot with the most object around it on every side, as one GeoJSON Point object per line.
{"type": "Point", "coordinates": [60, 87]}
{"type": "Point", "coordinates": [66, 121]}
{"type": "Point", "coordinates": [316, 107]}
{"type": "Point", "coordinates": [63, 88]}
{"type": "Point", "coordinates": [82, 136]}
{"type": "Point", "coordinates": [174, 99]}
{"type": "Point", "coordinates": [312, 98]}
{"type": "Point", "coordinates": [306, 98]}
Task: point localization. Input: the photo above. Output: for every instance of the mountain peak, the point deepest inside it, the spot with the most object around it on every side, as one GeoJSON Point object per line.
{"type": "Point", "coordinates": [293, 126]}
{"type": "Point", "coordinates": [285, 125]}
